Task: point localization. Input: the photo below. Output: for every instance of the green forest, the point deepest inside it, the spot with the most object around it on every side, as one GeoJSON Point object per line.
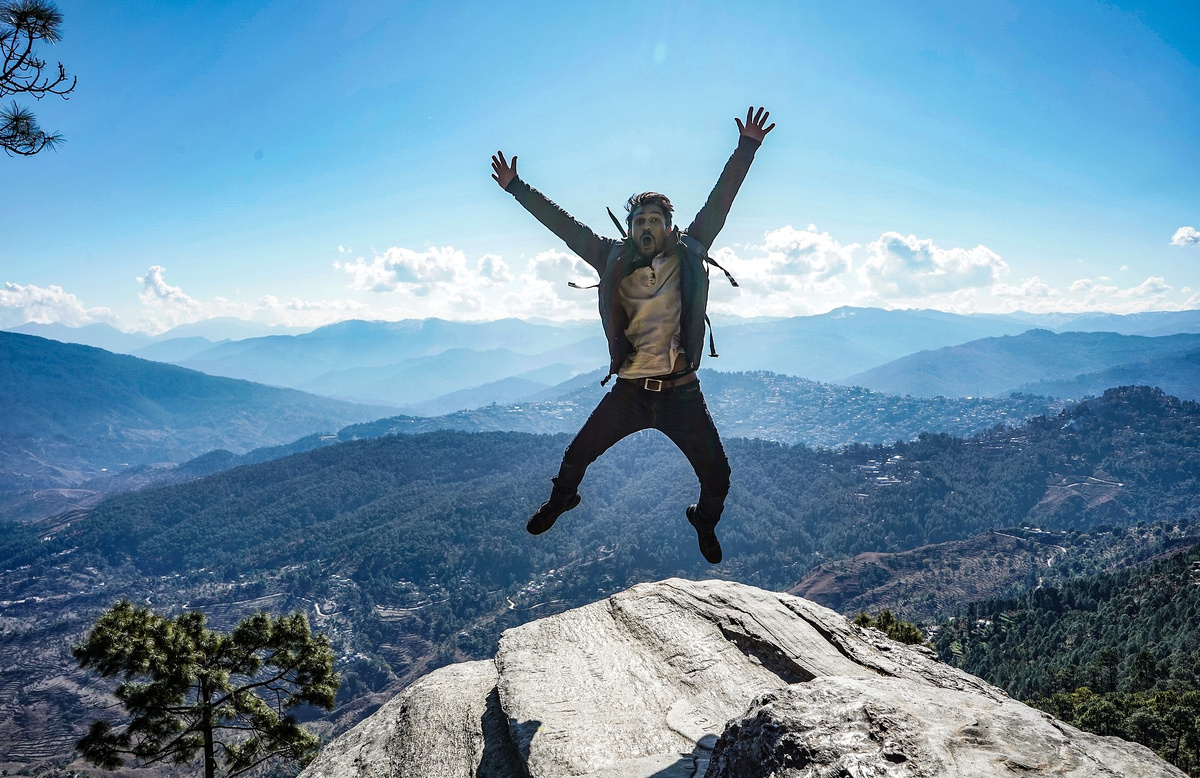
{"type": "Point", "coordinates": [442, 513]}
{"type": "Point", "coordinates": [409, 551]}
{"type": "Point", "coordinates": [1114, 654]}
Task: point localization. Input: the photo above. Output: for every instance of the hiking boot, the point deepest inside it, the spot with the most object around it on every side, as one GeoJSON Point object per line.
{"type": "Point", "coordinates": [549, 512]}
{"type": "Point", "coordinates": [710, 547]}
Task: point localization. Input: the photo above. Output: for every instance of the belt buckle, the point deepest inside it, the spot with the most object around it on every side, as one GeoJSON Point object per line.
{"type": "Point", "coordinates": [649, 388]}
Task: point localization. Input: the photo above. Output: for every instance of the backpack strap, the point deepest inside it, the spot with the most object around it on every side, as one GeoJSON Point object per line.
{"type": "Point", "coordinates": [728, 275]}
{"type": "Point", "coordinates": [712, 346]}
{"type": "Point", "coordinates": [617, 222]}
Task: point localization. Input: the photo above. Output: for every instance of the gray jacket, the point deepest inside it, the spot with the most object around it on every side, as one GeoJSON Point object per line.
{"type": "Point", "coordinates": [615, 259]}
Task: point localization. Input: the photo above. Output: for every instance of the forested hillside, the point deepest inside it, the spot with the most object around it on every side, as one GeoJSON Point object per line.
{"type": "Point", "coordinates": [931, 583]}
{"type": "Point", "coordinates": [755, 405]}
{"type": "Point", "coordinates": [69, 413]}
{"type": "Point", "coordinates": [762, 405]}
{"type": "Point", "coordinates": [1115, 654]}
{"type": "Point", "coordinates": [410, 550]}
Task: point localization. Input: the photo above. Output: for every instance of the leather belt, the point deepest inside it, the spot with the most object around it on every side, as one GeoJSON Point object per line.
{"type": "Point", "coordinates": [659, 384]}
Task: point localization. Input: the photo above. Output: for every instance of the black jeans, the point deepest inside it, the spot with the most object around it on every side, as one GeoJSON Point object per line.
{"type": "Point", "coordinates": [679, 412]}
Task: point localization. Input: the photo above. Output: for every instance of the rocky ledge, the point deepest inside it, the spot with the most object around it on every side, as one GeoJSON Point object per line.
{"type": "Point", "coordinates": [681, 678]}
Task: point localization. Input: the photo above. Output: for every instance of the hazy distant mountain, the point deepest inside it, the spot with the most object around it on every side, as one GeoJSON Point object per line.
{"type": "Point", "coordinates": [1175, 374]}
{"type": "Point", "coordinates": [100, 335]}
{"type": "Point", "coordinates": [1035, 359]}
{"type": "Point", "coordinates": [229, 328]}
{"type": "Point", "coordinates": [110, 338]}
{"type": "Point", "coordinates": [845, 340]}
{"type": "Point", "coordinates": [359, 359]}
{"type": "Point", "coordinates": [507, 390]}
{"type": "Point", "coordinates": [67, 411]}
{"type": "Point", "coordinates": [174, 349]}
{"type": "Point", "coordinates": [825, 347]}
{"type": "Point", "coordinates": [421, 379]}
{"type": "Point", "coordinates": [1149, 323]}
{"type": "Point", "coordinates": [296, 360]}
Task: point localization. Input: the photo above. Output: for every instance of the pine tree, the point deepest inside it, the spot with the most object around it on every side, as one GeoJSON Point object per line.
{"type": "Point", "coordinates": [189, 689]}
{"type": "Point", "coordinates": [23, 24]}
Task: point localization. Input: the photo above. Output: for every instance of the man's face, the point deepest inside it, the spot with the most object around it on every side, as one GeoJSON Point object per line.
{"type": "Point", "coordinates": [649, 230]}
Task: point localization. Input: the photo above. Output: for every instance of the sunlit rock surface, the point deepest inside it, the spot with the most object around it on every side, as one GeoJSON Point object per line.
{"type": "Point", "coordinates": [647, 683]}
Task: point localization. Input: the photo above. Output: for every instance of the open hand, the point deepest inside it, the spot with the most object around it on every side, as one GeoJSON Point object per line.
{"type": "Point", "coordinates": [502, 171]}
{"type": "Point", "coordinates": [753, 128]}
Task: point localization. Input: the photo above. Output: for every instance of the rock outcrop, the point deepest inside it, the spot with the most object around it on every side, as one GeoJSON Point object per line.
{"type": "Point", "coordinates": [679, 678]}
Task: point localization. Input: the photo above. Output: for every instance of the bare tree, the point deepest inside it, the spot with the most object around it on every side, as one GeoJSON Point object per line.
{"type": "Point", "coordinates": [23, 23]}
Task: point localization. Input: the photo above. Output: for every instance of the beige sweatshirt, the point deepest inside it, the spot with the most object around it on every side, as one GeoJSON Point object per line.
{"type": "Point", "coordinates": [651, 298]}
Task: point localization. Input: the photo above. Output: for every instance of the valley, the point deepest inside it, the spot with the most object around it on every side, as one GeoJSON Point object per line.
{"type": "Point", "coordinates": [408, 550]}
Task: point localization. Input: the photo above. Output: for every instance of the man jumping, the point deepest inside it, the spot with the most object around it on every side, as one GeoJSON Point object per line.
{"type": "Point", "coordinates": [653, 297]}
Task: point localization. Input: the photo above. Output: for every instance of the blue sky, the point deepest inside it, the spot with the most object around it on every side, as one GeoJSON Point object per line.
{"type": "Point", "coordinates": [301, 163]}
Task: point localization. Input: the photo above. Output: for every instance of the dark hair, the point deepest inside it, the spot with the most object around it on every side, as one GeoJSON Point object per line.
{"type": "Point", "coordinates": [648, 198]}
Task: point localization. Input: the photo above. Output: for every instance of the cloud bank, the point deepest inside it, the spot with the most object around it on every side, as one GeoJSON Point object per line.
{"type": "Point", "coordinates": [46, 305]}
{"type": "Point", "coordinates": [790, 272]}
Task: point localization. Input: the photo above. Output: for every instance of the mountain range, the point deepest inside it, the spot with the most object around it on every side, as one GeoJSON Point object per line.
{"type": "Point", "coordinates": [1070, 364]}
{"type": "Point", "coordinates": [109, 338]}
{"type": "Point", "coordinates": [80, 423]}
{"type": "Point", "coordinates": [428, 367]}
{"type": "Point", "coordinates": [409, 550]}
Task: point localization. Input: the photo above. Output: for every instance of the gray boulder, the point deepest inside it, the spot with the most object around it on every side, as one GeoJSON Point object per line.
{"type": "Point", "coordinates": [835, 727]}
{"type": "Point", "coordinates": [686, 678]}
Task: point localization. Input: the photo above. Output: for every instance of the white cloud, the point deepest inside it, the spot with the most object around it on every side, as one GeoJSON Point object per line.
{"type": "Point", "coordinates": [1186, 236]}
{"type": "Point", "coordinates": [494, 269]}
{"type": "Point", "coordinates": [1032, 288]}
{"type": "Point", "coordinates": [439, 282]}
{"type": "Point", "coordinates": [1100, 294]}
{"type": "Point", "coordinates": [46, 305]}
{"type": "Point", "coordinates": [560, 267]}
{"type": "Point", "coordinates": [398, 267]}
{"type": "Point", "coordinates": [791, 273]}
{"type": "Point", "coordinates": [909, 267]}
{"type": "Point", "coordinates": [542, 288]}
{"type": "Point", "coordinates": [1152, 288]}
{"type": "Point", "coordinates": [807, 253]}
{"type": "Point", "coordinates": [168, 306]}
{"type": "Point", "coordinates": [307, 313]}
{"type": "Point", "coordinates": [156, 291]}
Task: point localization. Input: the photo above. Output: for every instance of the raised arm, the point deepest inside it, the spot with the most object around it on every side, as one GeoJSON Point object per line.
{"type": "Point", "coordinates": [711, 218]}
{"type": "Point", "coordinates": [579, 237]}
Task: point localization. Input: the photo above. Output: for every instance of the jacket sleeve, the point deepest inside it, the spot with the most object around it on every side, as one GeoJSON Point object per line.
{"type": "Point", "coordinates": [579, 237]}
{"type": "Point", "coordinates": [711, 218]}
